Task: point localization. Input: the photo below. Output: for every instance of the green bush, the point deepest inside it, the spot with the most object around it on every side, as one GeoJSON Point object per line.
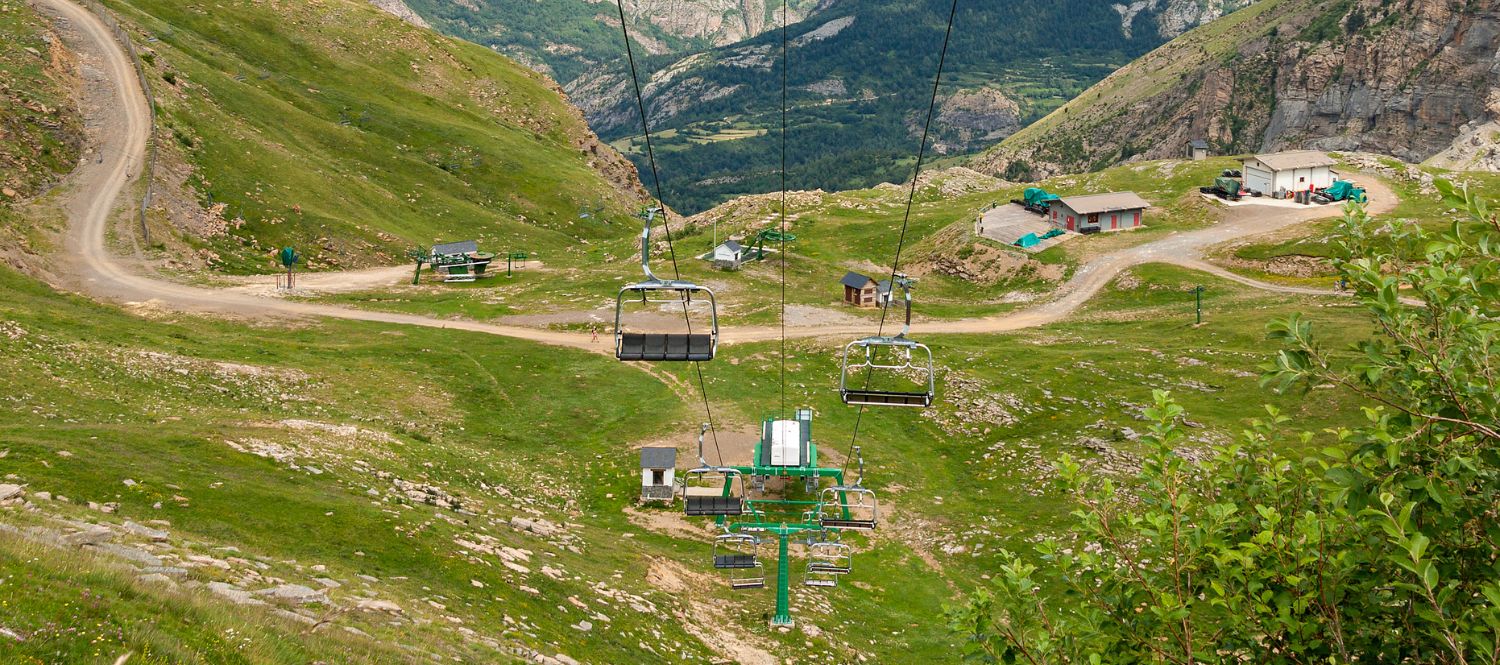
{"type": "Point", "coordinates": [1382, 548]}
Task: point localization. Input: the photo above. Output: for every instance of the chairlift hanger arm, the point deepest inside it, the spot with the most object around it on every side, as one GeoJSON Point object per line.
{"type": "Point", "coordinates": [649, 217]}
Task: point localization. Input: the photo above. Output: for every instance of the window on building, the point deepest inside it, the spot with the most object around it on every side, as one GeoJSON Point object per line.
{"type": "Point", "coordinates": [658, 477]}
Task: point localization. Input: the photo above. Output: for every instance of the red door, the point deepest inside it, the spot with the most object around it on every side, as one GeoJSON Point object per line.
{"type": "Point", "coordinates": [1114, 222]}
{"type": "Point", "coordinates": [1070, 222]}
{"type": "Point", "coordinates": [1138, 219]}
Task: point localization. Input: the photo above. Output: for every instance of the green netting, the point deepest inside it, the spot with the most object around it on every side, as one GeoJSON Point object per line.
{"type": "Point", "coordinates": [1052, 234]}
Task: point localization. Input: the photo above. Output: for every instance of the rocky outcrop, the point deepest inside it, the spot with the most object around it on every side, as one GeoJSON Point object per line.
{"type": "Point", "coordinates": [980, 114]}
{"type": "Point", "coordinates": [718, 22]}
{"type": "Point", "coordinates": [399, 9]}
{"type": "Point", "coordinates": [1172, 17]}
{"type": "Point", "coordinates": [1406, 78]}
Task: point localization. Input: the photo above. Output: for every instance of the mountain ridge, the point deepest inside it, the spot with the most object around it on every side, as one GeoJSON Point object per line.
{"type": "Point", "coordinates": [1402, 78]}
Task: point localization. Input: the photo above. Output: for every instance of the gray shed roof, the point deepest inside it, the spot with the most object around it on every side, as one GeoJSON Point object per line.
{"type": "Point", "coordinates": [460, 247]}
{"type": "Point", "coordinates": [1112, 202]}
{"type": "Point", "coordinates": [658, 458]}
{"type": "Point", "coordinates": [1296, 159]}
{"type": "Point", "coordinates": [732, 246]}
{"type": "Point", "coordinates": [1199, 144]}
{"type": "Point", "coordinates": [855, 280]}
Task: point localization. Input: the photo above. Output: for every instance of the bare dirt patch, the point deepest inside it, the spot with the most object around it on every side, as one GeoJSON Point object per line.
{"type": "Point", "coordinates": [706, 621]}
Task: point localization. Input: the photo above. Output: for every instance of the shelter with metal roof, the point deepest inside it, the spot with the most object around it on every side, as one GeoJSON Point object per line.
{"type": "Point", "coordinates": [1197, 150]}
{"type": "Point", "coordinates": [861, 290]}
{"type": "Point", "coordinates": [658, 466]}
{"type": "Point", "coordinates": [1281, 173]}
{"type": "Point", "coordinates": [1093, 213]}
{"type": "Point", "coordinates": [729, 255]}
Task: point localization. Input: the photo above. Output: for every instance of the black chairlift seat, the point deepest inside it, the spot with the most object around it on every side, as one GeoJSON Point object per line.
{"type": "Point", "coordinates": [749, 583]}
{"type": "Point", "coordinates": [699, 506]}
{"type": "Point", "coordinates": [665, 347]}
{"type": "Point", "coordinates": [825, 567]}
{"type": "Point", "coordinates": [856, 396]}
{"type": "Point", "coordinates": [688, 343]}
{"type": "Point", "coordinates": [840, 523]}
{"type": "Point", "coordinates": [734, 561]}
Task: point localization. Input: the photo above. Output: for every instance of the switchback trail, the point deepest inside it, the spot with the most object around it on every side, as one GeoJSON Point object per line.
{"type": "Point", "coordinates": [122, 127]}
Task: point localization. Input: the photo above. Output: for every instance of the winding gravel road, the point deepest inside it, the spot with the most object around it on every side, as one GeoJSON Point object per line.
{"type": "Point", "coordinates": [121, 126]}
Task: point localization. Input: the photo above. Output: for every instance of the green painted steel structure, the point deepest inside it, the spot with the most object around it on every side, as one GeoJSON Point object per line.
{"type": "Point", "coordinates": [784, 530]}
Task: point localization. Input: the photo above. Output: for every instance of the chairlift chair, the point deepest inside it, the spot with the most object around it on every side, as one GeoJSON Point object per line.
{"type": "Point", "coordinates": [889, 355]}
{"type": "Point", "coordinates": [738, 554]}
{"type": "Point", "coordinates": [826, 561]}
{"type": "Point", "coordinates": [686, 344]}
{"type": "Point", "coordinates": [712, 491]}
{"type": "Point", "coordinates": [849, 506]}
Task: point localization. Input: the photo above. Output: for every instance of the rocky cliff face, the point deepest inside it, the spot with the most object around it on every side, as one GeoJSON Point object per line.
{"type": "Point", "coordinates": [1401, 77]}
{"type": "Point", "coordinates": [399, 9]}
{"type": "Point", "coordinates": [1170, 18]}
{"type": "Point", "coordinates": [969, 117]}
{"type": "Point", "coordinates": [716, 22]}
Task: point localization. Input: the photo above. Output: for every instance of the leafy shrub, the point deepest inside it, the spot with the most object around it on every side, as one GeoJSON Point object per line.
{"type": "Point", "coordinates": [1381, 548]}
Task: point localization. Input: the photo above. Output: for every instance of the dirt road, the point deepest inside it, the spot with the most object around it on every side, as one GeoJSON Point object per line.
{"type": "Point", "coordinates": [120, 122]}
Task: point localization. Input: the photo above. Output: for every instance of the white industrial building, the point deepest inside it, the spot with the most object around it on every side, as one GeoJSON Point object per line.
{"type": "Point", "coordinates": [1293, 171]}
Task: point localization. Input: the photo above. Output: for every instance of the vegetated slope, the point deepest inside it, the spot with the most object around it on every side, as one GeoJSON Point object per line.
{"type": "Point", "coordinates": [860, 78]}
{"type": "Point", "coordinates": [414, 485]}
{"type": "Point", "coordinates": [568, 38]}
{"type": "Point", "coordinates": [352, 135]}
{"type": "Point", "coordinates": [1402, 77]}
{"type": "Point", "coordinates": [41, 132]}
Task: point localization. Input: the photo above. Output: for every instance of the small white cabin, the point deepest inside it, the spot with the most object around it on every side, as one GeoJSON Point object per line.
{"type": "Point", "coordinates": [729, 255]}
{"type": "Point", "coordinates": [658, 466]}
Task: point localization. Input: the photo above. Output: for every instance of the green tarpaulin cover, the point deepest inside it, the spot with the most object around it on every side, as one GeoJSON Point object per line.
{"type": "Point", "coordinates": [1028, 240]}
{"type": "Point", "coordinates": [1038, 195]}
{"type": "Point", "coordinates": [1342, 190]}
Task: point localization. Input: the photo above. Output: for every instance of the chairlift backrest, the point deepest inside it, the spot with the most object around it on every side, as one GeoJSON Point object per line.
{"type": "Point", "coordinates": [849, 506]}
{"type": "Point", "coordinates": [712, 490]}
{"type": "Point", "coordinates": [683, 344]}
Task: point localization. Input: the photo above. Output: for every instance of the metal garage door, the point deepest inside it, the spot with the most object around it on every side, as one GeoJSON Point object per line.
{"type": "Point", "coordinates": [1258, 180]}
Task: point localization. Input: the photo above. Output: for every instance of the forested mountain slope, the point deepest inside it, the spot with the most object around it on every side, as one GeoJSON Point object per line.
{"type": "Point", "coordinates": [860, 76]}
{"type": "Point", "coordinates": [1403, 77]}
{"type": "Point", "coordinates": [860, 73]}
{"type": "Point", "coordinates": [568, 38]}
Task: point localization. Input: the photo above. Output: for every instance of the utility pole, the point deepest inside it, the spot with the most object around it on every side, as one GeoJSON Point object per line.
{"type": "Point", "coordinates": [1198, 298]}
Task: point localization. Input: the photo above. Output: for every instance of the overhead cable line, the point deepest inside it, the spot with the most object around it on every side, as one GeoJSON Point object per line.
{"type": "Point", "coordinates": [911, 198]}
{"type": "Point", "coordinates": [640, 103]}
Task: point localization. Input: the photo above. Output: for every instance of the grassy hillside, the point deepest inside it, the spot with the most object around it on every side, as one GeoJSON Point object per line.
{"type": "Point", "coordinates": [406, 466]}
{"type": "Point", "coordinates": [960, 274]}
{"type": "Point", "coordinates": [41, 132]}
{"type": "Point", "coordinates": [187, 489]}
{"type": "Point", "coordinates": [341, 130]}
